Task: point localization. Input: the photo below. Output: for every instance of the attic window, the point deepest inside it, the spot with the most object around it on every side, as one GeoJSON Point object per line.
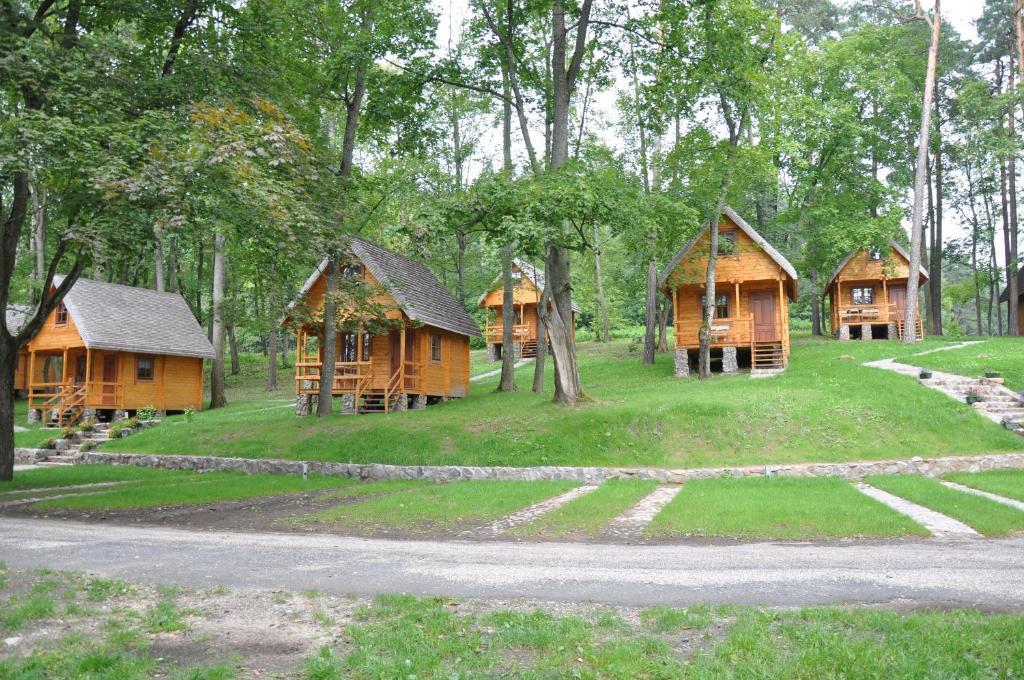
{"type": "Point", "coordinates": [352, 271]}
{"type": "Point", "coordinates": [874, 254]}
{"type": "Point", "coordinates": [721, 305]}
{"type": "Point", "coordinates": [727, 242]}
{"type": "Point", "coordinates": [144, 369]}
{"type": "Point", "coordinates": [516, 275]}
{"type": "Point", "coordinates": [61, 317]}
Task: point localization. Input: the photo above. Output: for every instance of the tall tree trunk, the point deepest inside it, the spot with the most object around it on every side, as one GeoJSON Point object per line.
{"type": "Point", "coordinates": [200, 262]}
{"type": "Point", "coordinates": [217, 394]}
{"type": "Point", "coordinates": [664, 309]}
{"type": "Point", "coordinates": [651, 312]}
{"type": "Point", "coordinates": [329, 341]}
{"type": "Point", "coordinates": [815, 303]}
{"type": "Point", "coordinates": [935, 260]}
{"type": "Point", "coordinates": [272, 359]}
{"type": "Point", "coordinates": [1012, 317]}
{"type": "Point", "coordinates": [602, 331]}
{"type": "Point", "coordinates": [975, 237]}
{"type": "Point", "coordinates": [927, 301]}
{"type": "Point", "coordinates": [508, 340]}
{"type": "Point", "coordinates": [172, 264]}
{"type": "Point", "coordinates": [39, 214]}
{"type": "Point", "coordinates": [236, 366]}
{"type": "Point", "coordinates": [158, 261]}
{"type": "Point", "coordinates": [917, 226]}
{"type": "Point", "coordinates": [8, 363]}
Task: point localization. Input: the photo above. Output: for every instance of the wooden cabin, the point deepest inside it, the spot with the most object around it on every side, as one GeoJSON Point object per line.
{"type": "Point", "coordinates": [1005, 297]}
{"type": "Point", "coordinates": [109, 350]}
{"type": "Point", "coordinates": [425, 357]}
{"type": "Point", "coordinates": [753, 286]}
{"type": "Point", "coordinates": [868, 294]}
{"type": "Point", "coordinates": [527, 286]}
{"type": "Point", "coordinates": [17, 315]}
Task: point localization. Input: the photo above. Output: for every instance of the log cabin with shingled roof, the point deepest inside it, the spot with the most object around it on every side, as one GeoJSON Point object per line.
{"type": "Point", "coordinates": [1005, 297]}
{"type": "Point", "coordinates": [108, 350]}
{"type": "Point", "coordinates": [16, 317]}
{"type": "Point", "coordinates": [754, 284]}
{"type": "Point", "coordinates": [867, 294]}
{"type": "Point", "coordinates": [421, 359]}
{"type": "Point", "coordinates": [527, 287]}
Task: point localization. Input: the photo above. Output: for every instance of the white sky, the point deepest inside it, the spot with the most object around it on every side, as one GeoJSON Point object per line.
{"type": "Point", "coordinates": [961, 14]}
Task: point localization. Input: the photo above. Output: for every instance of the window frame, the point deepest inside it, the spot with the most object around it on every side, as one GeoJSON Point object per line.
{"type": "Point", "coordinates": [860, 290]}
{"type": "Point", "coordinates": [874, 254]}
{"type": "Point", "coordinates": [721, 302]}
{"type": "Point", "coordinates": [152, 367]}
{"type": "Point", "coordinates": [436, 348]}
{"type": "Point", "coordinates": [60, 316]}
{"type": "Point", "coordinates": [728, 236]}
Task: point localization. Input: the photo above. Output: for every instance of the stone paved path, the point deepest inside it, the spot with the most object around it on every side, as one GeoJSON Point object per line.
{"type": "Point", "coordinates": [985, 494]}
{"type": "Point", "coordinates": [631, 524]}
{"type": "Point", "coordinates": [937, 523]}
{"type": "Point", "coordinates": [488, 374]}
{"type": "Point", "coordinates": [527, 515]}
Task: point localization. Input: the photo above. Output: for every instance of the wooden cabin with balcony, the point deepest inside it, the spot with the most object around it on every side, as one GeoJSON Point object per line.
{"type": "Point", "coordinates": [527, 286]}
{"type": "Point", "coordinates": [754, 284]}
{"type": "Point", "coordinates": [422, 358]}
{"type": "Point", "coordinates": [868, 294]}
{"type": "Point", "coordinates": [1005, 297]}
{"type": "Point", "coordinates": [109, 350]}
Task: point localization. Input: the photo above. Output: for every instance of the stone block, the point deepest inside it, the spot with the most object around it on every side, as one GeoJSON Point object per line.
{"type": "Point", "coordinates": [348, 403]}
{"type": "Point", "coordinates": [729, 363]}
{"type": "Point", "coordinates": [35, 416]}
{"type": "Point", "coordinates": [119, 414]}
{"type": "Point", "coordinates": [419, 402]}
{"type": "Point", "coordinates": [400, 402]}
{"type": "Point", "coordinates": [682, 364]}
{"type": "Point", "coordinates": [892, 333]}
{"type": "Point", "coordinates": [844, 332]}
{"type": "Point", "coordinates": [865, 331]}
{"type": "Point", "coordinates": [492, 352]}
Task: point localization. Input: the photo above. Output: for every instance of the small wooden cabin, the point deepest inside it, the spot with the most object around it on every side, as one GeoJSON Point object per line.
{"type": "Point", "coordinates": [1005, 297]}
{"type": "Point", "coordinates": [528, 284]}
{"type": "Point", "coordinates": [108, 350]}
{"type": "Point", "coordinates": [426, 357]}
{"type": "Point", "coordinates": [16, 317]}
{"type": "Point", "coordinates": [753, 286]}
{"type": "Point", "coordinates": [868, 294]}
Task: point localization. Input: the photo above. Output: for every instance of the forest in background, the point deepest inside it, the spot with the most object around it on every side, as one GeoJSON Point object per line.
{"type": "Point", "coordinates": [221, 149]}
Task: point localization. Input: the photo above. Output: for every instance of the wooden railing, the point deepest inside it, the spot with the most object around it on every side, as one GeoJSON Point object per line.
{"type": "Point", "coordinates": [350, 377]}
{"type": "Point", "coordinates": [494, 333]}
{"type": "Point", "coordinates": [67, 401]}
{"type": "Point", "coordinates": [733, 330]}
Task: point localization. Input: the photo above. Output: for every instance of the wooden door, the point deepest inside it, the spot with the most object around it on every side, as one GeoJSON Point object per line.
{"type": "Point", "coordinates": [109, 380]}
{"type": "Point", "coordinates": [762, 308]}
{"type": "Point", "coordinates": [395, 342]}
{"type": "Point", "coordinates": [898, 299]}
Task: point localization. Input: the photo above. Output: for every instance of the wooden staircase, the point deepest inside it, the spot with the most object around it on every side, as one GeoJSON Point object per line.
{"type": "Point", "coordinates": [900, 326]}
{"type": "Point", "coordinates": [529, 350]}
{"type": "Point", "coordinates": [767, 356]}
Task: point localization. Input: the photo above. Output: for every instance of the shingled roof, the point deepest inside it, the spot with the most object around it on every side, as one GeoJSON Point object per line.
{"type": "Point", "coordinates": [749, 231]}
{"type": "Point", "coordinates": [128, 319]}
{"type": "Point", "coordinates": [415, 288]}
{"type": "Point", "coordinates": [16, 316]}
{"type": "Point", "coordinates": [532, 272]}
{"type": "Point", "coordinates": [892, 244]}
{"type": "Point", "coordinates": [1005, 295]}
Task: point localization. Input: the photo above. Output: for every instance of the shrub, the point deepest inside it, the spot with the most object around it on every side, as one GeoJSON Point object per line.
{"type": "Point", "coordinates": [87, 425]}
{"type": "Point", "coordinates": [189, 414]}
{"type": "Point", "coordinates": [146, 413]}
{"type": "Point", "coordinates": [87, 446]}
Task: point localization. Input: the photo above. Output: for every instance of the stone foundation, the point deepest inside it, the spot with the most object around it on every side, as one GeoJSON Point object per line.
{"type": "Point", "coordinates": [729, 363]}
{"type": "Point", "coordinates": [400, 402]}
{"type": "Point", "coordinates": [419, 402]}
{"type": "Point", "coordinates": [893, 334]}
{"type": "Point", "coordinates": [304, 402]}
{"type": "Point", "coordinates": [348, 403]}
{"type": "Point", "coordinates": [865, 331]}
{"type": "Point", "coordinates": [34, 416]}
{"type": "Point", "coordinates": [844, 332]}
{"type": "Point", "coordinates": [492, 352]}
{"type": "Point", "coordinates": [931, 467]}
{"type": "Point", "coordinates": [119, 414]}
{"type": "Point", "coordinates": [682, 367]}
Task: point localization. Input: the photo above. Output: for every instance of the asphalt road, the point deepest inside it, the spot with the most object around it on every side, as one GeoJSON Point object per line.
{"type": "Point", "coordinates": [987, 574]}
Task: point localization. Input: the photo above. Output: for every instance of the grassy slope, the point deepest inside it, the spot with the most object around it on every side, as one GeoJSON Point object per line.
{"type": "Point", "coordinates": [826, 407]}
{"type": "Point", "coordinates": [981, 514]}
{"type": "Point", "coordinates": [41, 478]}
{"type": "Point", "coordinates": [1005, 355]}
{"type": "Point", "coordinates": [421, 506]}
{"type": "Point", "coordinates": [1006, 483]}
{"type": "Point", "coordinates": [777, 508]}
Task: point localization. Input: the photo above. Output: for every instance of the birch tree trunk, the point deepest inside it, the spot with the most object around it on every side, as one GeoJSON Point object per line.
{"type": "Point", "coordinates": [39, 215]}
{"type": "Point", "coordinates": [602, 333]}
{"type": "Point", "coordinates": [508, 359]}
{"type": "Point", "coordinates": [217, 395]}
{"type": "Point", "coordinates": [158, 262]}
{"type": "Point", "coordinates": [917, 226]}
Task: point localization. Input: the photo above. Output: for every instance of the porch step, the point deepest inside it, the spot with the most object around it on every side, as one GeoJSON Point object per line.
{"type": "Point", "coordinates": [768, 355]}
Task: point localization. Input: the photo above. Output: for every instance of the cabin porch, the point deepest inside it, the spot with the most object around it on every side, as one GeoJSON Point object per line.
{"type": "Point", "coordinates": [750, 327]}
{"type": "Point", "coordinates": [372, 373]}
{"type": "Point", "coordinates": [524, 329]}
{"type": "Point", "coordinates": [869, 309]}
{"type": "Point", "coordinates": [67, 384]}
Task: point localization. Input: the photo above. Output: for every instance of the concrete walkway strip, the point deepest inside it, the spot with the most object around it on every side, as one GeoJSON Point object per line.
{"type": "Point", "coordinates": [488, 374]}
{"type": "Point", "coordinates": [527, 515]}
{"type": "Point", "coordinates": [985, 494]}
{"type": "Point", "coordinates": [940, 525]}
{"type": "Point", "coordinates": [631, 523]}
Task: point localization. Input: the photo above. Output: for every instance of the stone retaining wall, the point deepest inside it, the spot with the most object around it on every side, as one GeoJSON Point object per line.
{"type": "Point", "coordinates": [31, 456]}
{"type": "Point", "coordinates": [450, 473]}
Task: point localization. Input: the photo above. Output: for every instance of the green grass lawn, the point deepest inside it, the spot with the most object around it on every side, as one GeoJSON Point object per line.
{"type": "Point", "coordinates": [424, 507]}
{"type": "Point", "coordinates": [478, 362]}
{"type": "Point", "coordinates": [779, 507]}
{"type": "Point", "coordinates": [209, 487]}
{"type": "Point", "coordinates": [981, 514]}
{"type": "Point", "coordinates": [825, 407]}
{"type": "Point", "coordinates": [1006, 483]}
{"type": "Point", "coordinates": [36, 436]}
{"type": "Point", "coordinates": [403, 636]}
{"type": "Point", "coordinates": [41, 478]}
{"type": "Point", "coordinates": [588, 514]}
{"type": "Point", "coordinates": [1004, 355]}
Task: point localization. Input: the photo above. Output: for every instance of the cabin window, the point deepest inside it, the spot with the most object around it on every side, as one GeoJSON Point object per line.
{"type": "Point", "coordinates": [352, 271]}
{"type": "Point", "coordinates": [61, 317]}
{"type": "Point", "coordinates": [144, 368]}
{"type": "Point", "coordinates": [721, 305]}
{"type": "Point", "coordinates": [863, 296]}
{"type": "Point", "coordinates": [516, 275]}
{"type": "Point", "coordinates": [349, 347]}
{"type": "Point", "coordinates": [874, 254]}
{"type": "Point", "coordinates": [727, 243]}
{"type": "Point", "coordinates": [435, 347]}
{"type": "Point", "coordinates": [517, 316]}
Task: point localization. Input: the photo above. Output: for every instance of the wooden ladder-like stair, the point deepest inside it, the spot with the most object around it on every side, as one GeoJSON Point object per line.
{"type": "Point", "coordinates": [768, 356]}
{"type": "Point", "coordinates": [900, 326]}
{"type": "Point", "coordinates": [529, 349]}
{"type": "Point", "coordinates": [372, 402]}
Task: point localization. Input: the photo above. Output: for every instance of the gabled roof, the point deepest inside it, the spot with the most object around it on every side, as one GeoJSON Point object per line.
{"type": "Point", "coordinates": [1005, 295]}
{"type": "Point", "coordinates": [749, 231]}
{"type": "Point", "coordinates": [16, 317]}
{"type": "Point", "coordinates": [892, 244]}
{"type": "Point", "coordinates": [128, 319]}
{"type": "Point", "coordinates": [532, 272]}
{"type": "Point", "coordinates": [415, 288]}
